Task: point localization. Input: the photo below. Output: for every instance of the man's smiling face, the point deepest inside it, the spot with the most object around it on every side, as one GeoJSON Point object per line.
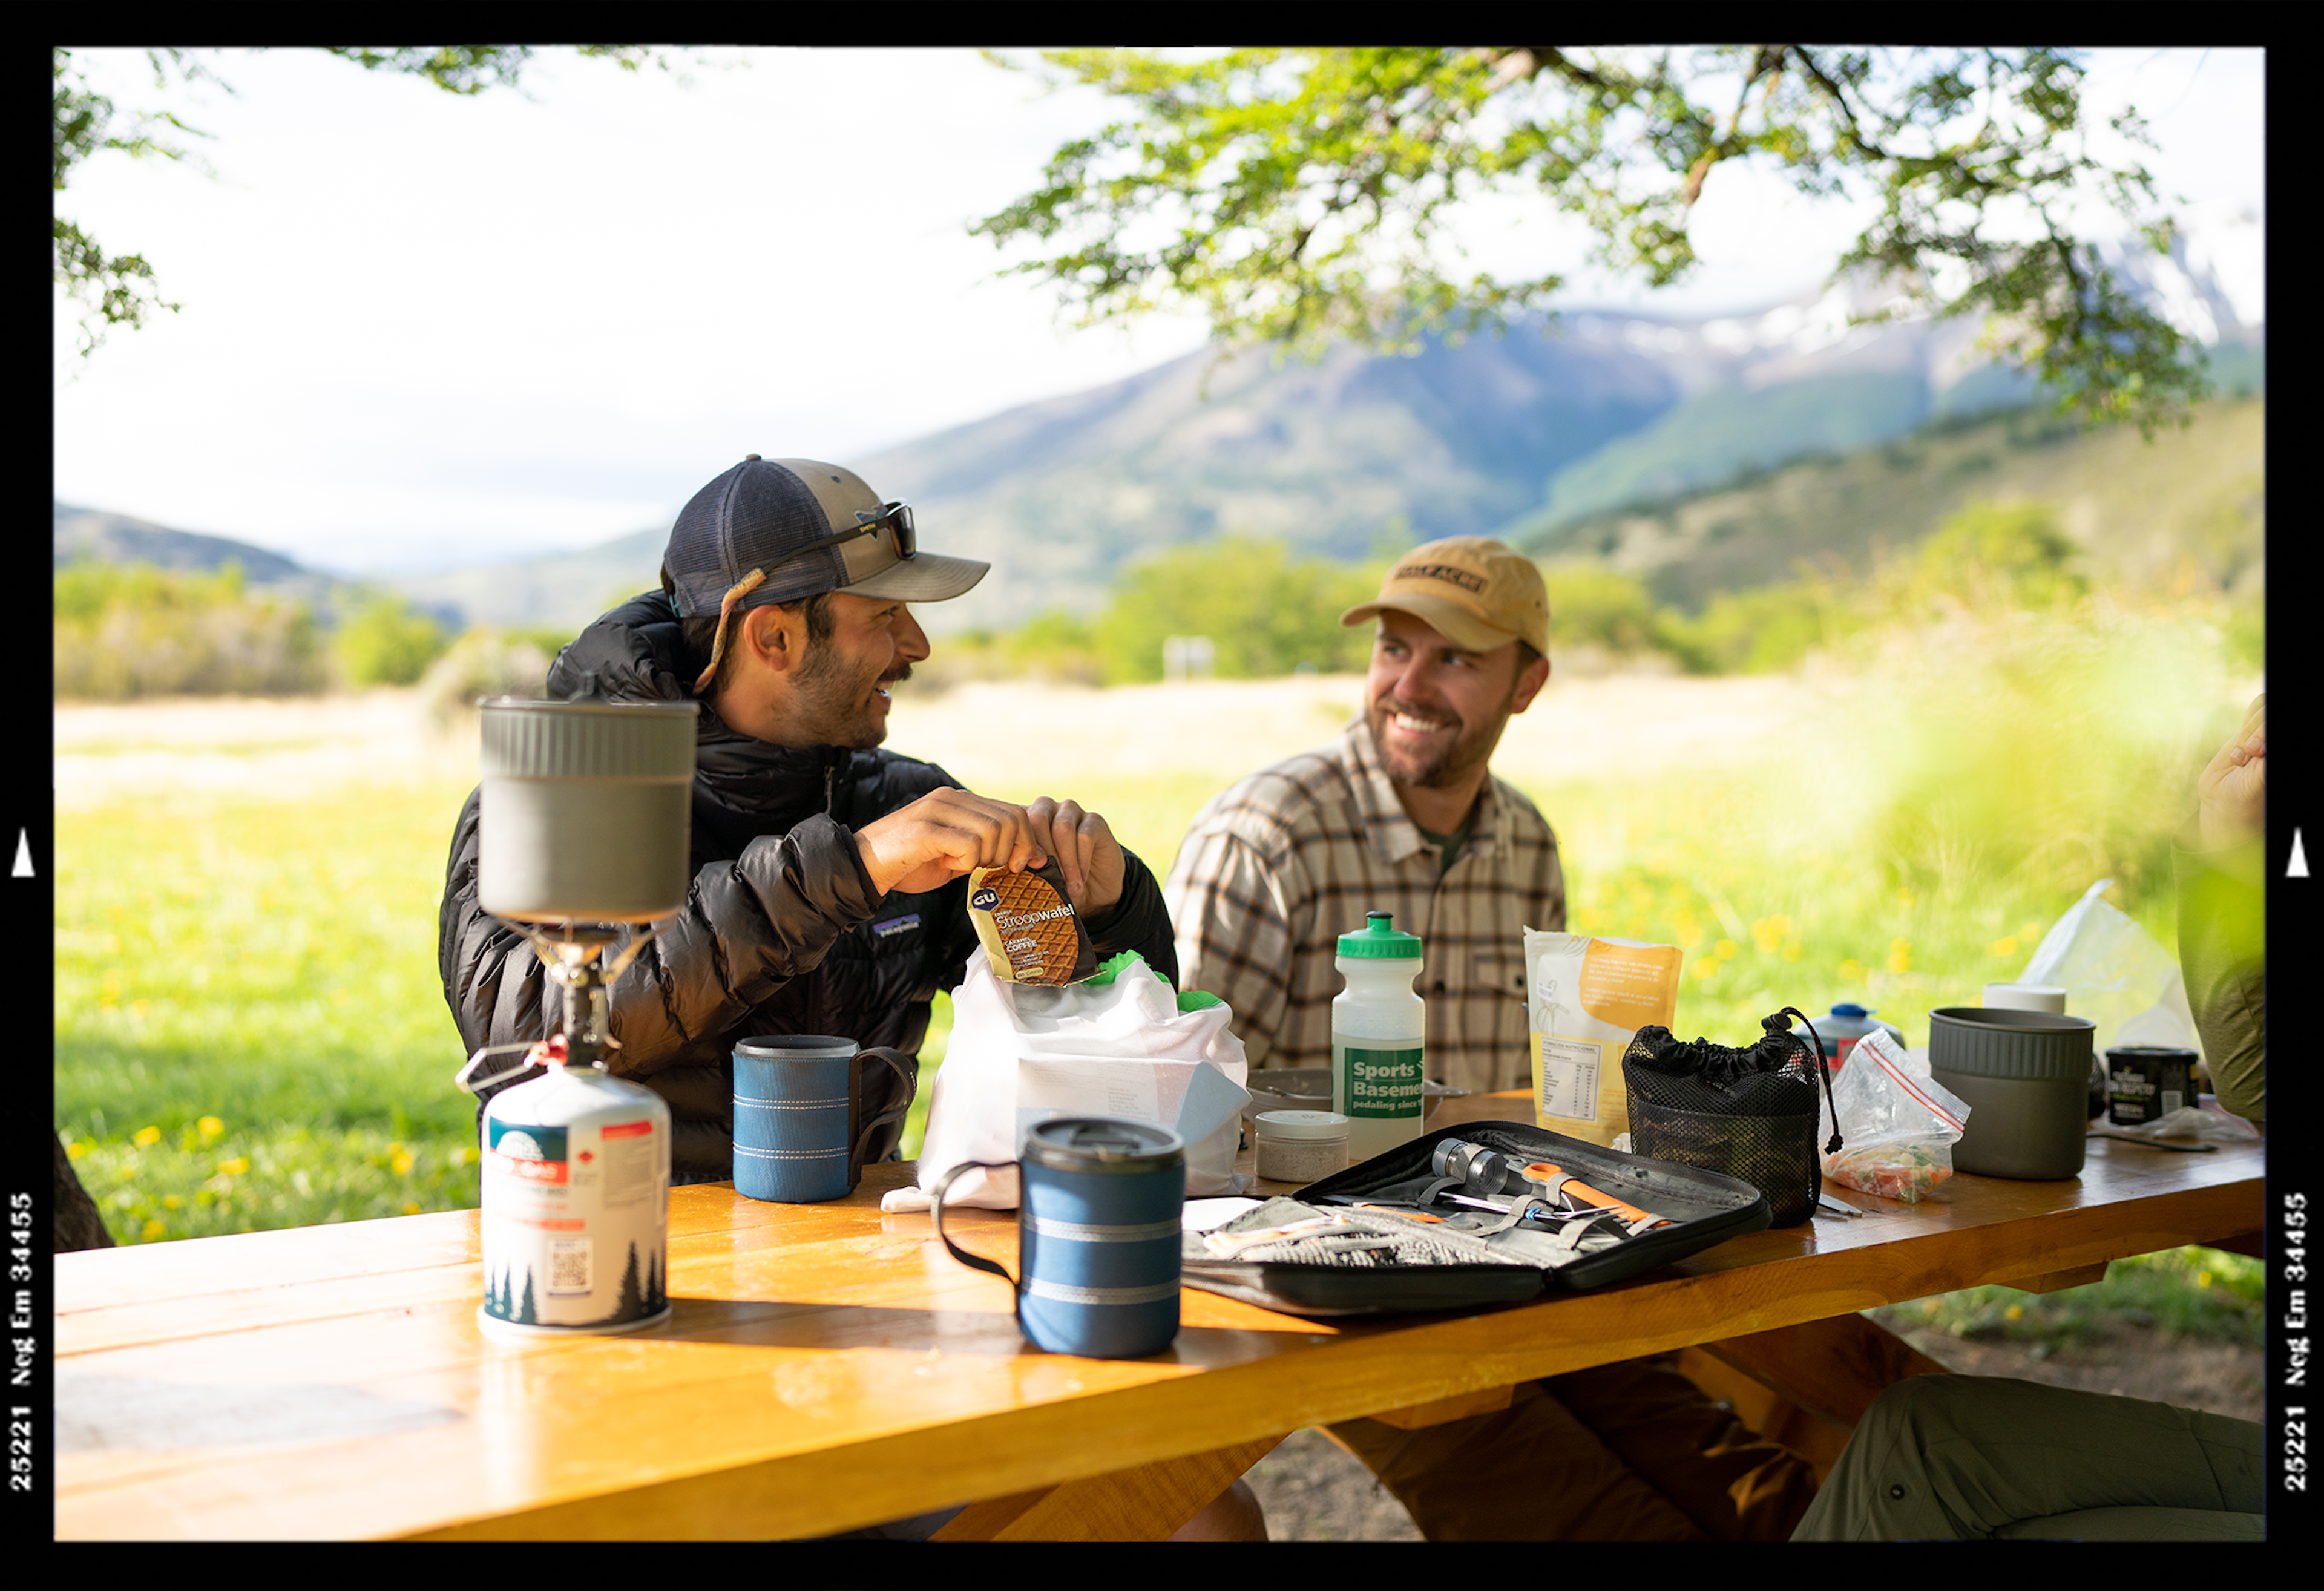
{"type": "Point", "coordinates": [1436, 710]}
{"type": "Point", "coordinates": [841, 688]}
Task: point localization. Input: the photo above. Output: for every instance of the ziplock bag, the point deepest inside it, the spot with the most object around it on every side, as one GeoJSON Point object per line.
{"type": "Point", "coordinates": [1900, 1124]}
{"type": "Point", "coordinates": [1123, 1043]}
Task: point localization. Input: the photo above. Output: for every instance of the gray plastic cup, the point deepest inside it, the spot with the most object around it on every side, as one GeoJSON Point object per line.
{"type": "Point", "coordinates": [2025, 1077]}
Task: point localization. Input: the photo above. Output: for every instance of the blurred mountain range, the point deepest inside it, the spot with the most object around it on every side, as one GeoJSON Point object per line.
{"type": "Point", "coordinates": [1531, 436]}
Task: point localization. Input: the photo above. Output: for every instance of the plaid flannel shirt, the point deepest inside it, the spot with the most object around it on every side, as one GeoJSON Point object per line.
{"type": "Point", "coordinates": [1278, 866]}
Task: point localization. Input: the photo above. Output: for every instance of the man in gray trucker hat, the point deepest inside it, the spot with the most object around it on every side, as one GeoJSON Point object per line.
{"type": "Point", "coordinates": [829, 893]}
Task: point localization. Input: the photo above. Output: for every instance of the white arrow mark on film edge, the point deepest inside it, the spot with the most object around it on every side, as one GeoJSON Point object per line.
{"type": "Point", "coordinates": [24, 854]}
{"type": "Point", "coordinates": [2297, 869]}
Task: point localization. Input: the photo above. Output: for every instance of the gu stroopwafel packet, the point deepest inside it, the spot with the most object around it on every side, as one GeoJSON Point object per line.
{"type": "Point", "coordinates": [1029, 927]}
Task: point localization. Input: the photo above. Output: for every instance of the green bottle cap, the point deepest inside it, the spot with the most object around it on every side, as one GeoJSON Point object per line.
{"type": "Point", "coordinates": [1380, 941]}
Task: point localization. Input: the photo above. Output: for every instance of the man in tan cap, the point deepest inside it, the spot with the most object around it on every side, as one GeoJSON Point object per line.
{"type": "Point", "coordinates": [1402, 815]}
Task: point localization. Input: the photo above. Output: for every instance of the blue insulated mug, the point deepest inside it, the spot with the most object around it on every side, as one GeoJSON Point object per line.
{"type": "Point", "coordinates": [801, 1124]}
{"type": "Point", "coordinates": [1097, 1235]}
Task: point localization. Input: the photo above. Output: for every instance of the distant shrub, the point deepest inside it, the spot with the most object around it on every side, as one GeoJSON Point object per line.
{"type": "Point", "coordinates": [485, 663]}
{"type": "Point", "coordinates": [123, 631]}
{"type": "Point", "coordinates": [387, 642]}
{"type": "Point", "coordinates": [1265, 612]}
{"type": "Point", "coordinates": [1593, 605]}
{"type": "Point", "coordinates": [1989, 559]}
{"type": "Point", "coordinates": [1052, 645]}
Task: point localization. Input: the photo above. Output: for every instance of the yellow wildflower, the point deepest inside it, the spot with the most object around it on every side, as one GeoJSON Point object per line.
{"type": "Point", "coordinates": [211, 1126]}
{"type": "Point", "coordinates": [234, 1167]}
{"type": "Point", "coordinates": [171, 1201]}
{"type": "Point", "coordinates": [1900, 956]}
{"type": "Point", "coordinates": [2015, 1312]}
{"type": "Point", "coordinates": [410, 1207]}
{"type": "Point", "coordinates": [146, 1137]}
{"type": "Point", "coordinates": [154, 1231]}
{"type": "Point", "coordinates": [2006, 945]}
{"type": "Point", "coordinates": [402, 1165]}
{"type": "Point", "coordinates": [78, 1147]}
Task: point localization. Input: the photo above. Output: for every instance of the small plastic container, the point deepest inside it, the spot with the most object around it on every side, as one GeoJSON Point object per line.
{"type": "Point", "coordinates": [2146, 1082]}
{"type": "Point", "coordinates": [1301, 1147]}
{"type": "Point", "coordinates": [1848, 1022]}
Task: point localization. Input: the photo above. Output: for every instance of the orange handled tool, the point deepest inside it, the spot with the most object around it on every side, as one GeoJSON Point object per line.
{"type": "Point", "coordinates": [1557, 1182]}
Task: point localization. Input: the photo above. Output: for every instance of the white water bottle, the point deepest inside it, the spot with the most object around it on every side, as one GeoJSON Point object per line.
{"type": "Point", "coordinates": [1379, 1030]}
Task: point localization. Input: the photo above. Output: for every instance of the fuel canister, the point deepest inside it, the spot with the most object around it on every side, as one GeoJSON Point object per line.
{"type": "Point", "coordinates": [576, 1219]}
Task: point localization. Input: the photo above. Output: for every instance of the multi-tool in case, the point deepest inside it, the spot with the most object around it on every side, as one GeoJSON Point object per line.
{"type": "Point", "coordinates": [1486, 1212]}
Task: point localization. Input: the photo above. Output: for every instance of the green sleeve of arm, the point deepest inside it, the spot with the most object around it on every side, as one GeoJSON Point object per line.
{"type": "Point", "coordinates": [2222, 953]}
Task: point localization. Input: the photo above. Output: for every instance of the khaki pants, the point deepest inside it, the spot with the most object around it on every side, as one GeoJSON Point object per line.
{"type": "Point", "coordinates": [1626, 1452]}
{"type": "Point", "coordinates": [1978, 1457]}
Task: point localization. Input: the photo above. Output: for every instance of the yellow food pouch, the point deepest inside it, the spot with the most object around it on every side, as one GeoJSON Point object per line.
{"type": "Point", "coordinates": [1586, 999]}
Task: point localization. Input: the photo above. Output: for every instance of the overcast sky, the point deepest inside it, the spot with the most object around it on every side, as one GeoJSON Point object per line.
{"type": "Point", "coordinates": [421, 330]}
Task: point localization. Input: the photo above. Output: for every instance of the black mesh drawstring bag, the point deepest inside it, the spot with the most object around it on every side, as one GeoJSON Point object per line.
{"type": "Point", "coordinates": [1750, 1112]}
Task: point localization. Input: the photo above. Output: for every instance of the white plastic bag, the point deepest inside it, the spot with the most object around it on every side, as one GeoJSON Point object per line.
{"type": "Point", "coordinates": [2115, 975]}
{"type": "Point", "coordinates": [1899, 1123]}
{"type": "Point", "coordinates": [1024, 1054]}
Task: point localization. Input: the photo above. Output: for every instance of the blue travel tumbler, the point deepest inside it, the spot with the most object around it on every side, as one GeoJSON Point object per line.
{"type": "Point", "coordinates": [1097, 1236]}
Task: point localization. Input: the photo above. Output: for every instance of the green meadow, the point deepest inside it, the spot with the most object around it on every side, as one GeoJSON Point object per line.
{"type": "Point", "coordinates": [251, 1031]}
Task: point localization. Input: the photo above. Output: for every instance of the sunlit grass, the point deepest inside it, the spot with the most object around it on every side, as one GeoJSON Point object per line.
{"type": "Point", "coordinates": [2199, 1293]}
{"type": "Point", "coordinates": [270, 965]}
{"type": "Point", "coordinates": [251, 985]}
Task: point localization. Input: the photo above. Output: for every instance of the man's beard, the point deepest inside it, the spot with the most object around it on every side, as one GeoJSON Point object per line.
{"type": "Point", "coordinates": [834, 699]}
{"type": "Point", "coordinates": [1469, 750]}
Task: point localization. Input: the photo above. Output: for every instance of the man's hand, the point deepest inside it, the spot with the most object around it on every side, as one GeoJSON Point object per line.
{"type": "Point", "coordinates": [944, 834]}
{"type": "Point", "coordinates": [2231, 795]}
{"type": "Point", "coordinates": [1085, 851]}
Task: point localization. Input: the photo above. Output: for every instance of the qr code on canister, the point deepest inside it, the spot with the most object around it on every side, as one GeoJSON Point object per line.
{"type": "Point", "coordinates": [568, 1265]}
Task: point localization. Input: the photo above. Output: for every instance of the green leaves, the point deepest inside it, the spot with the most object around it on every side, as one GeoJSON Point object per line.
{"type": "Point", "coordinates": [1301, 196]}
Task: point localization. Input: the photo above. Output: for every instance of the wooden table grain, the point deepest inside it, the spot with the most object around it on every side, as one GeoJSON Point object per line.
{"type": "Point", "coordinates": [829, 1366]}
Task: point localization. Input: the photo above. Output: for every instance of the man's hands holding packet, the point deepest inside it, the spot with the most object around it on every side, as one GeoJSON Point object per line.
{"type": "Point", "coordinates": [947, 832]}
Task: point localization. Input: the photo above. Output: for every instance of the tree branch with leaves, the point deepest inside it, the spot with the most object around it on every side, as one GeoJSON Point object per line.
{"type": "Point", "coordinates": [1299, 197]}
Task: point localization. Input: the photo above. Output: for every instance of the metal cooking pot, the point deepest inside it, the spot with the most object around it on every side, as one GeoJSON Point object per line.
{"type": "Point", "coordinates": [587, 809]}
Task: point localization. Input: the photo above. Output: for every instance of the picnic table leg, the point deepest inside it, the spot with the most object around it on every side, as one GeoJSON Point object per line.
{"type": "Point", "coordinates": [1145, 1502]}
{"type": "Point", "coordinates": [1806, 1386]}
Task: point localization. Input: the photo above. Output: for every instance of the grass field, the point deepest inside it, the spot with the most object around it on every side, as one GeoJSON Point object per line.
{"type": "Point", "coordinates": [251, 1031]}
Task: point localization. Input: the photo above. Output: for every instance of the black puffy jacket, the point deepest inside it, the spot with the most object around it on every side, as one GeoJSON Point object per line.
{"type": "Point", "coordinates": [782, 932]}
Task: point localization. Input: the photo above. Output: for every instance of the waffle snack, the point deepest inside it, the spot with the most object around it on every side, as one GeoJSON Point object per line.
{"type": "Point", "coordinates": [1029, 929]}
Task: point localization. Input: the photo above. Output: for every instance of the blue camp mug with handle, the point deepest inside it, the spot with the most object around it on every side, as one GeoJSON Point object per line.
{"type": "Point", "coordinates": [1097, 1235]}
{"type": "Point", "coordinates": [806, 1108]}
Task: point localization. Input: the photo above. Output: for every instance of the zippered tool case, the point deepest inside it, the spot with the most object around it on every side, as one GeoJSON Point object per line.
{"type": "Point", "coordinates": [1486, 1212]}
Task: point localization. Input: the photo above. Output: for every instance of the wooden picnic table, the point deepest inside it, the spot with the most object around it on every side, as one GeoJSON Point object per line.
{"type": "Point", "coordinates": [829, 1366]}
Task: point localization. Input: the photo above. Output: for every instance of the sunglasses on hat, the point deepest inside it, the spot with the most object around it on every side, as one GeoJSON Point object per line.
{"type": "Point", "coordinates": [895, 518]}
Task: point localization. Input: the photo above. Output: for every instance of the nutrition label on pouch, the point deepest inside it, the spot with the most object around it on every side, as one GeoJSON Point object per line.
{"type": "Point", "coordinates": [1569, 1078]}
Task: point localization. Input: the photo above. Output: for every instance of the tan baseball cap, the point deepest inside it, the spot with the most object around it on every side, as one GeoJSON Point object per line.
{"type": "Point", "coordinates": [1471, 589]}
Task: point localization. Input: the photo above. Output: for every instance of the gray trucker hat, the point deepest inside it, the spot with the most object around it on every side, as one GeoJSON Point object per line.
{"type": "Point", "coordinates": [775, 529]}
